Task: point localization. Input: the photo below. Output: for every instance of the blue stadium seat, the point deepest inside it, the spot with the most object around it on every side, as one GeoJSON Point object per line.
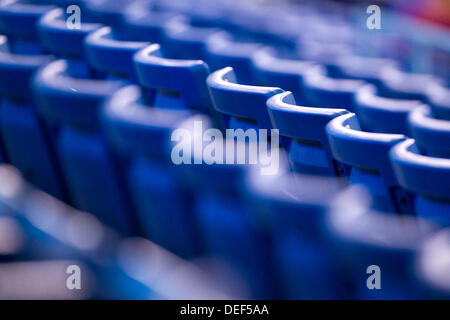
{"type": "Point", "coordinates": [304, 130]}
{"type": "Point", "coordinates": [426, 176]}
{"type": "Point", "coordinates": [110, 13]}
{"type": "Point", "coordinates": [324, 53]}
{"type": "Point", "coordinates": [220, 212]}
{"type": "Point", "coordinates": [405, 85]}
{"type": "Point", "coordinates": [114, 57]}
{"type": "Point", "coordinates": [381, 114]}
{"type": "Point", "coordinates": [145, 25]}
{"type": "Point", "coordinates": [368, 155]}
{"type": "Point", "coordinates": [362, 68]}
{"type": "Point", "coordinates": [175, 83]}
{"type": "Point", "coordinates": [439, 100]}
{"type": "Point", "coordinates": [142, 136]}
{"type": "Point", "coordinates": [66, 43]}
{"type": "Point", "coordinates": [321, 90]}
{"type": "Point", "coordinates": [432, 135]}
{"type": "Point", "coordinates": [22, 131]}
{"type": "Point", "coordinates": [286, 73]}
{"type": "Point", "coordinates": [90, 171]}
{"type": "Point", "coordinates": [182, 40]}
{"type": "Point", "coordinates": [18, 21]}
{"type": "Point", "coordinates": [224, 51]}
{"type": "Point", "coordinates": [244, 105]}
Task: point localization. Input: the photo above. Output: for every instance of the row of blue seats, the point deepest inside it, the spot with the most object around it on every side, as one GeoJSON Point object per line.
{"type": "Point", "coordinates": [313, 29]}
{"type": "Point", "coordinates": [387, 115]}
{"type": "Point", "coordinates": [97, 177]}
{"type": "Point", "coordinates": [309, 26]}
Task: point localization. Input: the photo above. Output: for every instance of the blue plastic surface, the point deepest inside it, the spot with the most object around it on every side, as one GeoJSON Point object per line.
{"type": "Point", "coordinates": [150, 26]}
{"type": "Point", "coordinates": [309, 150]}
{"type": "Point", "coordinates": [64, 42]}
{"type": "Point", "coordinates": [221, 214]}
{"type": "Point", "coordinates": [321, 90]}
{"type": "Point", "coordinates": [91, 172]}
{"type": "Point", "coordinates": [142, 135]}
{"type": "Point", "coordinates": [432, 135]}
{"type": "Point", "coordinates": [381, 114]}
{"type": "Point", "coordinates": [183, 40]}
{"type": "Point", "coordinates": [23, 134]}
{"type": "Point", "coordinates": [362, 68]}
{"type": "Point", "coordinates": [245, 104]}
{"type": "Point", "coordinates": [286, 73]}
{"type": "Point", "coordinates": [175, 83]}
{"type": "Point", "coordinates": [426, 176]}
{"type": "Point", "coordinates": [18, 20]}
{"type": "Point", "coordinates": [109, 13]}
{"type": "Point", "coordinates": [439, 100]}
{"type": "Point", "coordinates": [367, 154]}
{"type": "Point", "coordinates": [114, 57]}
{"type": "Point", "coordinates": [405, 85]}
{"type": "Point", "coordinates": [224, 51]}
